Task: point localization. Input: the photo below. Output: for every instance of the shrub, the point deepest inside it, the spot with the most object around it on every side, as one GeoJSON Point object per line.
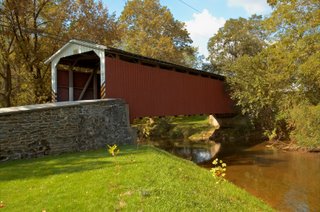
{"type": "Point", "coordinates": [149, 128]}
{"type": "Point", "coordinates": [305, 121]}
{"type": "Point", "coordinates": [162, 127]}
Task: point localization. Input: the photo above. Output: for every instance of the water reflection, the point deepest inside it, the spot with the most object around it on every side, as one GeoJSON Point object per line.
{"type": "Point", "coordinates": [288, 181]}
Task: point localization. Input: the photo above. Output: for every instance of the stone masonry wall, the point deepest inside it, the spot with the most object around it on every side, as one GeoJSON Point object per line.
{"type": "Point", "coordinates": [55, 128]}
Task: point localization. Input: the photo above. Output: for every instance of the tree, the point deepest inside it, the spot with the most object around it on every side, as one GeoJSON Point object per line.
{"type": "Point", "coordinates": [6, 51]}
{"type": "Point", "coordinates": [25, 24]}
{"type": "Point", "coordinates": [296, 26]}
{"type": "Point", "coordinates": [236, 38]}
{"type": "Point", "coordinates": [264, 87]}
{"type": "Point", "coordinates": [90, 20]}
{"type": "Point", "coordinates": [269, 84]}
{"type": "Point", "coordinates": [32, 30]}
{"type": "Point", "coordinates": [150, 30]}
{"type": "Point", "coordinates": [6, 46]}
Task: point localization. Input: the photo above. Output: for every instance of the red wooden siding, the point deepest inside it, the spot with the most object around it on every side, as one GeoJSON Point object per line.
{"type": "Point", "coordinates": [63, 83]}
{"type": "Point", "coordinates": [79, 81]}
{"type": "Point", "coordinates": [151, 91]}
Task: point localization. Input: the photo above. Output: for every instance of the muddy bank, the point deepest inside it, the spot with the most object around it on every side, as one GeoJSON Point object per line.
{"type": "Point", "coordinates": [290, 146]}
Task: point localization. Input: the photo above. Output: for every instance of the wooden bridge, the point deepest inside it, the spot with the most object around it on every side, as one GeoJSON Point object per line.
{"type": "Point", "coordinates": [82, 70]}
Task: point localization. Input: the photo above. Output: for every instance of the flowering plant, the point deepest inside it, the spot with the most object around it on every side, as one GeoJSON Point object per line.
{"type": "Point", "coordinates": [219, 170]}
{"type": "Point", "coordinates": [113, 150]}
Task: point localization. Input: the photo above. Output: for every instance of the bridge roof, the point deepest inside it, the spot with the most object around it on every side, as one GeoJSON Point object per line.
{"type": "Point", "coordinates": [86, 49]}
{"type": "Point", "coordinates": [149, 60]}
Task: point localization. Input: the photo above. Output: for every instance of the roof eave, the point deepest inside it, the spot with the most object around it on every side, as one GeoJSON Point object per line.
{"type": "Point", "coordinates": [78, 42]}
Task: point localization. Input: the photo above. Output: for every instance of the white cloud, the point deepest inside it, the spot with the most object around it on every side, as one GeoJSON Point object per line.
{"type": "Point", "coordinates": [202, 27]}
{"type": "Point", "coordinates": [251, 6]}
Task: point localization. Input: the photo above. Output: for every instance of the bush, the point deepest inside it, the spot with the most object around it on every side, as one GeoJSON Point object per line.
{"type": "Point", "coordinates": [161, 127]}
{"type": "Point", "coordinates": [151, 128]}
{"type": "Point", "coordinates": [305, 121]}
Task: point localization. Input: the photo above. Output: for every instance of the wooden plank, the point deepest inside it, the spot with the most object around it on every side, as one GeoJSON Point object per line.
{"type": "Point", "coordinates": [71, 90]}
{"type": "Point", "coordinates": [70, 85]}
{"type": "Point", "coordinates": [95, 84]}
{"type": "Point", "coordinates": [86, 86]}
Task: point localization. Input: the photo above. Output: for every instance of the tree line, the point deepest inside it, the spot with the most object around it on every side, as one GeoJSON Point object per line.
{"type": "Point", "coordinates": [272, 65]}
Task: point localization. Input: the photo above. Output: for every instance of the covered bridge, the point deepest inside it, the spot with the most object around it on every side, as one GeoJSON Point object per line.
{"type": "Point", "coordinates": [83, 70]}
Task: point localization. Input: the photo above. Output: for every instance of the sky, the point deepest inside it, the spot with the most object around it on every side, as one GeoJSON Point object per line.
{"type": "Point", "coordinates": [203, 18]}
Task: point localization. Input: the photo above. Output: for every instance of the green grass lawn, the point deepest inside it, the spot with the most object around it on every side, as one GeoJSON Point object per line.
{"type": "Point", "coordinates": [195, 119]}
{"type": "Point", "coordinates": [143, 179]}
{"type": "Point", "coordinates": [194, 127]}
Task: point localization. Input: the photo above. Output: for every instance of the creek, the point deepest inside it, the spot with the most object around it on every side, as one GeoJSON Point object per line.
{"type": "Point", "coordinates": [288, 181]}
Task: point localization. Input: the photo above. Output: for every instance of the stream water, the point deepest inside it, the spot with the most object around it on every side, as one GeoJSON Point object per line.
{"type": "Point", "coordinates": [288, 181]}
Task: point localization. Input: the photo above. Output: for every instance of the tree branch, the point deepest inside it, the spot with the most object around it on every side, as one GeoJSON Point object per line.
{"type": "Point", "coordinates": [2, 75]}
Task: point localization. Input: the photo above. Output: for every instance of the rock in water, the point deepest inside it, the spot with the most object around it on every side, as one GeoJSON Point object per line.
{"type": "Point", "coordinates": [213, 122]}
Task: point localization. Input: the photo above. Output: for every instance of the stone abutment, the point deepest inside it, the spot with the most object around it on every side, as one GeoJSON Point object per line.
{"type": "Point", "coordinates": [55, 128]}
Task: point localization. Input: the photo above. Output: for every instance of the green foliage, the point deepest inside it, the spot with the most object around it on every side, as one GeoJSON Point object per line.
{"type": "Point", "coordinates": [219, 170]}
{"type": "Point", "coordinates": [238, 37]}
{"type": "Point", "coordinates": [153, 127]}
{"type": "Point", "coordinates": [293, 19]}
{"type": "Point", "coordinates": [264, 86]}
{"type": "Point", "coordinates": [147, 128]}
{"type": "Point", "coordinates": [305, 121]}
{"type": "Point", "coordinates": [113, 150]}
{"type": "Point", "coordinates": [161, 127]}
{"type": "Point", "coordinates": [267, 82]}
{"type": "Point", "coordinates": [150, 30]}
{"type": "Point", "coordinates": [309, 78]}
{"type": "Point", "coordinates": [271, 134]}
{"type": "Point", "coordinates": [295, 27]}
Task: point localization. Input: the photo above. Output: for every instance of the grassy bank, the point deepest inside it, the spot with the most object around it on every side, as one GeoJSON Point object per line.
{"type": "Point", "coordinates": [194, 128]}
{"type": "Point", "coordinates": [145, 179]}
{"type": "Point", "coordinates": [197, 128]}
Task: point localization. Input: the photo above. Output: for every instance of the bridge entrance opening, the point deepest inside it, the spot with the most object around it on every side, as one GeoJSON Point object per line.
{"type": "Point", "coordinates": [78, 77]}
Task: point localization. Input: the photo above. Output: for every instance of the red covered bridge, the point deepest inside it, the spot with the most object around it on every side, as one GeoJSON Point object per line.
{"type": "Point", "coordinates": [82, 70]}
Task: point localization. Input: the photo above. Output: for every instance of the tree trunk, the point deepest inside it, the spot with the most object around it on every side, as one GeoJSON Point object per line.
{"type": "Point", "coordinates": [8, 86]}
{"type": "Point", "coordinates": [6, 94]}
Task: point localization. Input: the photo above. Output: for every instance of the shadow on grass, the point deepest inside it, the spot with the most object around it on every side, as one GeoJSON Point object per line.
{"type": "Point", "coordinates": [63, 164]}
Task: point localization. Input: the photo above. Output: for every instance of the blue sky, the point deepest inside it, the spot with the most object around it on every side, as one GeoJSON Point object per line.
{"type": "Point", "coordinates": [206, 18]}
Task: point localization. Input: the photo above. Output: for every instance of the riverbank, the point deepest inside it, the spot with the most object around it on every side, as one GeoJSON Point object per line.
{"type": "Point", "coordinates": [291, 146]}
{"type": "Point", "coordinates": [197, 129]}
{"type": "Point", "coordinates": [142, 178]}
